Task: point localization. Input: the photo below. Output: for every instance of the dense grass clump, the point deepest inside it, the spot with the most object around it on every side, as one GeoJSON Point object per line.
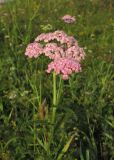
{"type": "Point", "coordinates": [79, 124]}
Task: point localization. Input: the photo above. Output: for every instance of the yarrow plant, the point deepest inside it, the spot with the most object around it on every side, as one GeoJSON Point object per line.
{"type": "Point", "coordinates": [65, 56]}
{"type": "Point", "coordinates": [68, 19]}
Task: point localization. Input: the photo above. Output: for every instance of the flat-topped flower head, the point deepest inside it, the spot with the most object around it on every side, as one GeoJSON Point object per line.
{"type": "Point", "coordinates": [57, 36]}
{"type": "Point", "coordinates": [55, 45]}
{"type": "Point", "coordinates": [64, 66]}
{"type": "Point", "coordinates": [68, 19]}
{"type": "Point", "coordinates": [33, 50]}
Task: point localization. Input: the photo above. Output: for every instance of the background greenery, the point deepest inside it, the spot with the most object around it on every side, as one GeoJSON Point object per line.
{"type": "Point", "coordinates": [87, 107]}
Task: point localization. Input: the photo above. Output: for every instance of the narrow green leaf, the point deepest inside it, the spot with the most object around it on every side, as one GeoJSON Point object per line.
{"type": "Point", "coordinates": [65, 148]}
{"type": "Point", "coordinates": [1, 107]}
{"type": "Point", "coordinates": [87, 154]}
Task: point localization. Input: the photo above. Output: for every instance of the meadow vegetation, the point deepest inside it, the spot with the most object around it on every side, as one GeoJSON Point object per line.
{"type": "Point", "coordinates": [83, 126]}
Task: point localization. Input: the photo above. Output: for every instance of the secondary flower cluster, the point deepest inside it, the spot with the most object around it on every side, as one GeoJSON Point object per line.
{"type": "Point", "coordinates": [59, 47]}
{"type": "Point", "coordinates": [68, 19]}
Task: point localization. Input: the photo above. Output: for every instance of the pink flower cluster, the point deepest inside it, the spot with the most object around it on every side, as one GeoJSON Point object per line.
{"type": "Point", "coordinates": [61, 48]}
{"type": "Point", "coordinates": [68, 19]}
{"type": "Point", "coordinates": [53, 51]}
{"type": "Point", "coordinates": [75, 52]}
{"type": "Point", "coordinates": [64, 66]}
{"type": "Point", "coordinates": [60, 45]}
{"type": "Point", "coordinates": [34, 50]}
{"type": "Point", "coordinates": [58, 36]}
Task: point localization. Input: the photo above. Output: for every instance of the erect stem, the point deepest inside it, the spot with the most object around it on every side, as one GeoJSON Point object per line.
{"type": "Point", "coordinates": [54, 89]}
{"type": "Point", "coordinates": [54, 97]}
{"type": "Point", "coordinates": [54, 107]}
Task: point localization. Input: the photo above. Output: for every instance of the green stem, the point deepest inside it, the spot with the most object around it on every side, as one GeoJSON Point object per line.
{"type": "Point", "coordinates": [53, 110]}
{"type": "Point", "coordinates": [40, 88]}
{"type": "Point", "coordinates": [54, 97]}
{"type": "Point", "coordinates": [41, 76]}
{"type": "Point", "coordinates": [54, 88]}
{"type": "Point", "coordinates": [59, 92]}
